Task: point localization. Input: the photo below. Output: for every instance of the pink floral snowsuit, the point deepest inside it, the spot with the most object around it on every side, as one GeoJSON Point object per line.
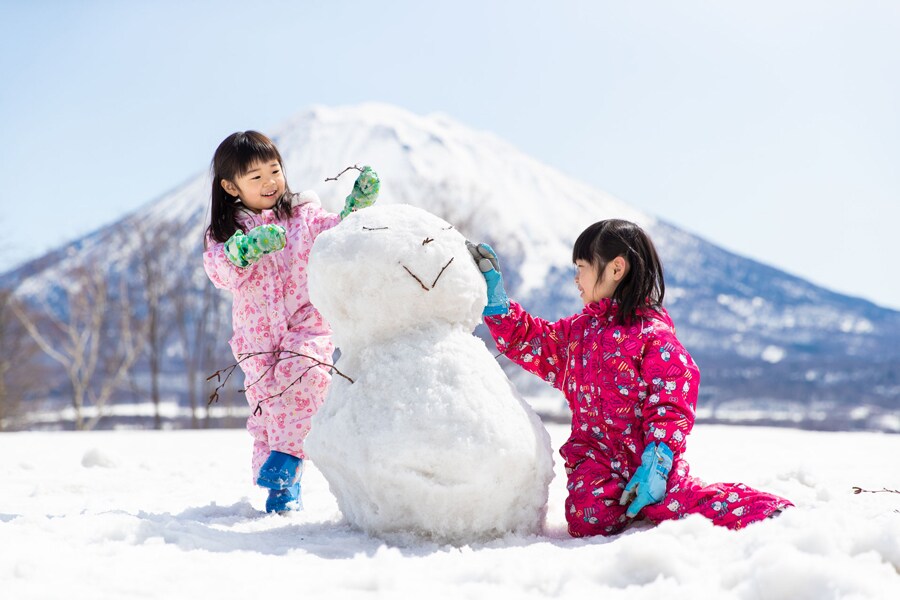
{"type": "Point", "coordinates": [271, 313]}
{"type": "Point", "coordinates": [627, 386]}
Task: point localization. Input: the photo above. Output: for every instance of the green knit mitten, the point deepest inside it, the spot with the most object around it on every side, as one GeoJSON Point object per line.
{"type": "Point", "coordinates": [365, 191]}
{"type": "Point", "coordinates": [245, 249]}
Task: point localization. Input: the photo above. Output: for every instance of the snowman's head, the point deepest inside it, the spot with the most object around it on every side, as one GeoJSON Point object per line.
{"type": "Point", "coordinates": [389, 269]}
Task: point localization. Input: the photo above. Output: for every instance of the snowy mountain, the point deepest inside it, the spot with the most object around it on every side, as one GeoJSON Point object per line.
{"type": "Point", "coordinates": [771, 346]}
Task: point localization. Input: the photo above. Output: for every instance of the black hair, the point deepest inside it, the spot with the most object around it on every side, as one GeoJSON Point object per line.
{"type": "Point", "coordinates": [643, 287]}
{"type": "Point", "coordinates": [234, 156]}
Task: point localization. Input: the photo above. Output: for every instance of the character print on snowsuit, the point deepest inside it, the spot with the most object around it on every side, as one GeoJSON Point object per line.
{"type": "Point", "coordinates": [627, 386]}
{"type": "Point", "coordinates": [273, 319]}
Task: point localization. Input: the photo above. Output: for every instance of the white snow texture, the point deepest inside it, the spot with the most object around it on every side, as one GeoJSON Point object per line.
{"type": "Point", "coordinates": [430, 440]}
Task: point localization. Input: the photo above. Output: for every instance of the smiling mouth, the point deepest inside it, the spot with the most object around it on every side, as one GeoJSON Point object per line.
{"type": "Point", "coordinates": [269, 195]}
{"type": "Point", "coordinates": [421, 283]}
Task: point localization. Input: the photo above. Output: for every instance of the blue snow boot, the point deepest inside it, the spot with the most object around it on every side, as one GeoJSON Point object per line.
{"type": "Point", "coordinates": [284, 500]}
{"type": "Point", "coordinates": [279, 471]}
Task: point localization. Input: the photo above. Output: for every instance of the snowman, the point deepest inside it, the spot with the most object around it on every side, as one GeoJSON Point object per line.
{"type": "Point", "coordinates": [430, 440]}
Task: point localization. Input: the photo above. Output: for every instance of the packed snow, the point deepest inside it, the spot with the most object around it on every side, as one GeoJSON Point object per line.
{"type": "Point", "coordinates": [172, 514]}
{"type": "Point", "coordinates": [430, 439]}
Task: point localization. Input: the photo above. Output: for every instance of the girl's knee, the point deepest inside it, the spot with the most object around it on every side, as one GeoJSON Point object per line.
{"type": "Point", "coordinates": [591, 526]}
{"type": "Point", "coordinates": [595, 520]}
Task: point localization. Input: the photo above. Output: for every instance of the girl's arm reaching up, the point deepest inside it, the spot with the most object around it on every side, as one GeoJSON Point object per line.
{"type": "Point", "coordinates": [534, 344]}
{"type": "Point", "coordinates": [365, 193]}
{"type": "Point", "coordinates": [539, 346]}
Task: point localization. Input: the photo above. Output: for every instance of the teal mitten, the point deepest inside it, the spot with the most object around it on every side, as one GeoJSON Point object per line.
{"type": "Point", "coordinates": [648, 485]}
{"type": "Point", "coordinates": [489, 265]}
{"type": "Point", "coordinates": [245, 249]}
{"type": "Point", "coordinates": [365, 191]}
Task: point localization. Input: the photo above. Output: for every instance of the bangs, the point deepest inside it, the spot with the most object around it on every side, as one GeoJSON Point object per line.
{"type": "Point", "coordinates": [251, 148]}
{"type": "Point", "coordinates": [584, 248]}
{"type": "Point", "coordinates": [581, 251]}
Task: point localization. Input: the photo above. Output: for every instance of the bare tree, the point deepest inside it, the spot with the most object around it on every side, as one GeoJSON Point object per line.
{"type": "Point", "coordinates": [183, 311]}
{"type": "Point", "coordinates": [190, 325]}
{"type": "Point", "coordinates": [197, 310]}
{"type": "Point", "coordinates": [213, 351]}
{"type": "Point", "coordinates": [21, 375]}
{"type": "Point", "coordinates": [150, 254]}
{"type": "Point", "coordinates": [8, 404]}
{"type": "Point", "coordinates": [92, 336]}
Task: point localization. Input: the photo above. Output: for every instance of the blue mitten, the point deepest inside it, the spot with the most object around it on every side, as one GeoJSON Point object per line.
{"type": "Point", "coordinates": [648, 485]}
{"type": "Point", "coordinates": [486, 259]}
{"type": "Point", "coordinates": [284, 500]}
{"type": "Point", "coordinates": [280, 471]}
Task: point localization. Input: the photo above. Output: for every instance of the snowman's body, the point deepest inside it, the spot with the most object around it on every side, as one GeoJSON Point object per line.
{"type": "Point", "coordinates": [430, 439]}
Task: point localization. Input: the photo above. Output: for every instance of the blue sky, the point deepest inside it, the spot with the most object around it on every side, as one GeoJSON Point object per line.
{"type": "Point", "coordinates": [771, 128]}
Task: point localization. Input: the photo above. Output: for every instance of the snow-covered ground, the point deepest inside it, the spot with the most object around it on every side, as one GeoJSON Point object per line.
{"type": "Point", "coordinates": [141, 514]}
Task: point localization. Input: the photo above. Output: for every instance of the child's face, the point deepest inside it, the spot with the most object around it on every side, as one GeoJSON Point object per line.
{"type": "Point", "coordinates": [593, 288]}
{"type": "Point", "coordinates": [260, 187]}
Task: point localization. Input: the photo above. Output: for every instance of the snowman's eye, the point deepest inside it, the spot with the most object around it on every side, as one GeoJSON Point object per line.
{"type": "Point", "coordinates": [374, 228]}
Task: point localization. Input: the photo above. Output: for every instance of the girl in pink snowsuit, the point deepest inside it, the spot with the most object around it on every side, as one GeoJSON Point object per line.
{"type": "Point", "coordinates": [257, 247]}
{"type": "Point", "coordinates": [630, 384]}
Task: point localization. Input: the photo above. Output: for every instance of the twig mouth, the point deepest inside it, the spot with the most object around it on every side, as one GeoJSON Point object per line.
{"type": "Point", "coordinates": [422, 283]}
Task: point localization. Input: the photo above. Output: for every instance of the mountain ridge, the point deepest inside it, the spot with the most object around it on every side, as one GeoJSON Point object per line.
{"type": "Point", "coordinates": [746, 321]}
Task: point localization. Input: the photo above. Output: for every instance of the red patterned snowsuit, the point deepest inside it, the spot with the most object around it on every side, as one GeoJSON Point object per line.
{"type": "Point", "coordinates": [627, 386]}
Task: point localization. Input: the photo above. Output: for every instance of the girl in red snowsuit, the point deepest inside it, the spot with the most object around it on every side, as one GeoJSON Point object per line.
{"type": "Point", "coordinates": [630, 384]}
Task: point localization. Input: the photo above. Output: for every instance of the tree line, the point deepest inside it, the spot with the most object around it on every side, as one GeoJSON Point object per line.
{"type": "Point", "coordinates": [116, 330]}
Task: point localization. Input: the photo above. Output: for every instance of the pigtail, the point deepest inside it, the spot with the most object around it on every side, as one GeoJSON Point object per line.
{"type": "Point", "coordinates": [223, 213]}
{"type": "Point", "coordinates": [644, 287]}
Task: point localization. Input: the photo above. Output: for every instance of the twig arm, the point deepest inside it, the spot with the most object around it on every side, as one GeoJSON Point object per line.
{"type": "Point", "coordinates": [335, 178]}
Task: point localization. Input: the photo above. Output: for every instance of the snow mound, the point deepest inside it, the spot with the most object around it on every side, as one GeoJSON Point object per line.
{"type": "Point", "coordinates": [95, 457]}
{"type": "Point", "coordinates": [430, 440]}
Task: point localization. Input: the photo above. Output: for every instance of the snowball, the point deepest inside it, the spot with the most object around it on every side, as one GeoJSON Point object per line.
{"type": "Point", "coordinates": [387, 270]}
{"type": "Point", "coordinates": [430, 440]}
